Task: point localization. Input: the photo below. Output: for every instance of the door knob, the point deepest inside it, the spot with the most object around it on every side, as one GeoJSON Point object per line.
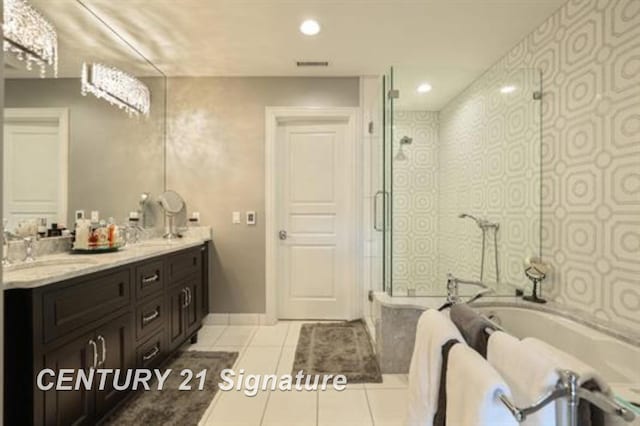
{"type": "Point", "coordinates": [282, 234]}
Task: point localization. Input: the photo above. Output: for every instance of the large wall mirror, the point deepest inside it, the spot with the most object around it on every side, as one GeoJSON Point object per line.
{"type": "Point", "coordinates": [65, 151]}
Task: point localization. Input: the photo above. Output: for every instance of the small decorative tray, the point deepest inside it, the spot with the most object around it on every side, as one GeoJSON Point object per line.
{"type": "Point", "coordinates": [97, 250]}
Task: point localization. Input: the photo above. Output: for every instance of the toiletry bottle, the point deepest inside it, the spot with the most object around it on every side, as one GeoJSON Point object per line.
{"type": "Point", "coordinates": [42, 227]}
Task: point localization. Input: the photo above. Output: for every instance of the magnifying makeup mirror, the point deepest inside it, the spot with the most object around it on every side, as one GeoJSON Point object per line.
{"type": "Point", "coordinates": [172, 204]}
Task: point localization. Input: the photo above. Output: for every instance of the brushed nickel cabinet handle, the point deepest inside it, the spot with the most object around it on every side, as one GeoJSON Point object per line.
{"type": "Point", "coordinates": [148, 318]}
{"type": "Point", "coordinates": [103, 342]}
{"type": "Point", "coordinates": [151, 354]}
{"type": "Point", "coordinates": [184, 302]}
{"type": "Point", "coordinates": [188, 296]}
{"type": "Point", "coordinates": [93, 345]}
{"type": "Point", "coordinates": [151, 278]}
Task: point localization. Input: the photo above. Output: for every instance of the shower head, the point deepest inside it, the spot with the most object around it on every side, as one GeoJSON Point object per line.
{"type": "Point", "coordinates": [472, 217]}
{"type": "Point", "coordinates": [400, 156]}
{"type": "Point", "coordinates": [482, 223]}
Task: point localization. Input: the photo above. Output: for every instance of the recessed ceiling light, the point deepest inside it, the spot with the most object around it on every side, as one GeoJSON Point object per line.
{"type": "Point", "coordinates": [507, 89]}
{"type": "Point", "coordinates": [424, 88]}
{"type": "Point", "coordinates": [310, 27]}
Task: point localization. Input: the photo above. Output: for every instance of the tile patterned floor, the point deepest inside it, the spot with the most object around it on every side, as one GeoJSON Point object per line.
{"type": "Point", "coordinates": [271, 349]}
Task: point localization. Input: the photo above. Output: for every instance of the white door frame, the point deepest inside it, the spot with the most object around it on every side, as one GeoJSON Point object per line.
{"type": "Point", "coordinates": [60, 116]}
{"type": "Point", "coordinates": [273, 116]}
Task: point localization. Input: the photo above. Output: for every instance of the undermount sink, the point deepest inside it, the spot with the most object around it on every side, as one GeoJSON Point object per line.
{"type": "Point", "coordinates": [52, 265]}
{"type": "Point", "coordinates": [154, 243]}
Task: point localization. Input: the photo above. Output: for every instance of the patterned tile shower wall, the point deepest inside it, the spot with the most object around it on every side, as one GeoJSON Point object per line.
{"type": "Point", "coordinates": [489, 160]}
{"type": "Point", "coordinates": [589, 55]}
{"type": "Point", "coordinates": [415, 205]}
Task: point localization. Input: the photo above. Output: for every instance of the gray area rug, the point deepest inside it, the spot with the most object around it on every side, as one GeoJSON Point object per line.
{"type": "Point", "coordinates": [337, 348]}
{"type": "Point", "coordinates": [171, 406]}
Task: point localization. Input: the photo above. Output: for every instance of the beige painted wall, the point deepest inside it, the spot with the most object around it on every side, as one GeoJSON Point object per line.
{"type": "Point", "coordinates": [112, 158]}
{"type": "Point", "coordinates": [215, 159]}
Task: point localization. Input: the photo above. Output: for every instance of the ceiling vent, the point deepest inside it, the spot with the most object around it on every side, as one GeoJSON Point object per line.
{"type": "Point", "coordinates": [312, 63]}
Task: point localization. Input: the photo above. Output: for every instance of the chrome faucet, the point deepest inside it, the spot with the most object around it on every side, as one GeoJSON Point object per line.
{"type": "Point", "coordinates": [6, 237]}
{"type": "Point", "coordinates": [453, 289]}
{"type": "Point", "coordinates": [29, 243]}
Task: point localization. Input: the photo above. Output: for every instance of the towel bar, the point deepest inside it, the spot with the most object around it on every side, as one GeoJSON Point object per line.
{"type": "Point", "coordinates": [568, 388]}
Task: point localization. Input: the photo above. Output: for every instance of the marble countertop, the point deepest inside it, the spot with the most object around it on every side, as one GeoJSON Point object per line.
{"type": "Point", "coordinates": [63, 266]}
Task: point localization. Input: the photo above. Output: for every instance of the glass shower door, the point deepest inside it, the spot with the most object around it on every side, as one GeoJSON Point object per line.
{"type": "Point", "coordinates": [389, 94]}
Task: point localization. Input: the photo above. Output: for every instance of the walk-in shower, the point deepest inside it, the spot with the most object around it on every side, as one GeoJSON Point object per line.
{"type": "Point", "coordinates": [474, 155]}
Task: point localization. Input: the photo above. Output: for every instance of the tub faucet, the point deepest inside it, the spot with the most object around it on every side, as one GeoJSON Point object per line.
{"type": "Point", "coordinates": [453, 284]}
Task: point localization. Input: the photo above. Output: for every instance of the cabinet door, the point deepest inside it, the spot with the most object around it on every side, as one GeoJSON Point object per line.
{"type": "Point", "coordinates": [117, 352]}
{"type": "Point", "coordinates": [176, 327]}
{"type": "Point", "coordinates": [193, 311]}
{"type": "Point", "coordinates": [70, 407]}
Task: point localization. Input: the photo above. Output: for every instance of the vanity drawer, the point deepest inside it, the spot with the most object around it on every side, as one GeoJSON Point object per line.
{"type": "Point", "coordinates": [87, 300]}
{"type": "Point", "coordinates": [149, 278]}
{"type": "Point", "coordinates": [149, 316]}
{"type": "Point", "coordinates": [152, 351]}
{"type": "Point", "coordinates": [183, 265]}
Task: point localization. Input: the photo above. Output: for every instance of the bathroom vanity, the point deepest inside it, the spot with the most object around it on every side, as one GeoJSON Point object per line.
{"type": "Point", "coordinates": [125, 310]}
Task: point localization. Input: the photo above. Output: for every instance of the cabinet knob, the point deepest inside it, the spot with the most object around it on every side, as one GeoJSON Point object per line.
{"type": "Point", "coordinates": [282, 234]}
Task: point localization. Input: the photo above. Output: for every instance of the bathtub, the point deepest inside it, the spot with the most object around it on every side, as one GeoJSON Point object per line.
{"type": "Point", "coordinates": [617, 360]}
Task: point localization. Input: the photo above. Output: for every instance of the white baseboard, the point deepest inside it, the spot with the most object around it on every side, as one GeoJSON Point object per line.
{"type": "Point", "coordinates": [237, 319]}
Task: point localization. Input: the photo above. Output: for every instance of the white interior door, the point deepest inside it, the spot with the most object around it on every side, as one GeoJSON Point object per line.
{"type": "Point", "coordinates": [35, 166]}
{"type": "Point", "coordinates": [314, 258]}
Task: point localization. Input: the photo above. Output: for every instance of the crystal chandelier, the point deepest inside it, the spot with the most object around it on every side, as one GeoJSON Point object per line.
{"type": "Point", "coordinates": [117, 87]}
{"type": "Point", "coordinates": [30, 36]}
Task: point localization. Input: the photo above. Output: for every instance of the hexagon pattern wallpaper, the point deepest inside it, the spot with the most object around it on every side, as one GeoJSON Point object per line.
{"type": "Point", "coordinates": [590, 162]}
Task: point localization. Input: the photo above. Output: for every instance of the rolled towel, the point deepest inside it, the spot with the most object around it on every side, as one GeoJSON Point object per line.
{"type": "Point", "coordinates": [434, 330]}
{"type": "Point", "coordinates": [473, 387]}
{"type": "Point", "coordinates": [472, 325]}
{"type": "Point", "coordinates": [528, 374]}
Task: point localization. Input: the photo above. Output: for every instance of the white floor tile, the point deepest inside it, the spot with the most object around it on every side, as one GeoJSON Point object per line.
{"type": "Point", "coordinates": [346, 408]}
{"type": "Point", "coordinates": [207, 337]}
{"type": "Point", "coordinates": [291, 409]}
{"type": "Point", "coordinates": [285, 364]}
{"type": "Point", "coordinates": [239, 349]}
{"type": "Point", "coordinates": [236, 335]}
{"type": "Point", "coordinates": [236, 409]}
{"type": "Point", "coordinates": [259, 360]}
{"type": "Point", "coordinates": [388, 406]}
{"type": "Point", "coordinates": [270, 335]}
{"type": "Point", "coordinates": [293, 333]}
{"type": "Point", "coordinates": [390, 381]}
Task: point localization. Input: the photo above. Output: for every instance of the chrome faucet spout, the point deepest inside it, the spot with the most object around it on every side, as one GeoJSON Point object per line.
{"type": "Point", "coordinates": [453, 288]}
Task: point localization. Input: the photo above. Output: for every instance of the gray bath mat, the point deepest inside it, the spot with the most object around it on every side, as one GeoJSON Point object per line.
{"type": "Point", "coordinates": [171, 406]}
{"type": "Point", "coordinates": [337, 348]}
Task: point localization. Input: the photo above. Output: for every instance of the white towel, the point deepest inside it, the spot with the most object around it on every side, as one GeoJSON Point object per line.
{"type": "Point", "coordinates": [564, 361]}
{"type": "Point", "coordinates": [529, 374]}
{"type": "Point", "coordinates": [473, 386]}
{"type": "Point", "coordinates": [433, 331]}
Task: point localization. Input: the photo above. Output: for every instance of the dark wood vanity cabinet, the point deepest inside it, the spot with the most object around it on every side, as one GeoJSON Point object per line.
{"type": "Point", "coordinates": [131, 316]}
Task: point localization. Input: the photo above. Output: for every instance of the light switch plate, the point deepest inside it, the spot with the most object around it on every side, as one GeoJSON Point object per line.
{"type": "Point", "coordinates": [251, 218]}
{"type": "Point", "coordinates": [235, 218]}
